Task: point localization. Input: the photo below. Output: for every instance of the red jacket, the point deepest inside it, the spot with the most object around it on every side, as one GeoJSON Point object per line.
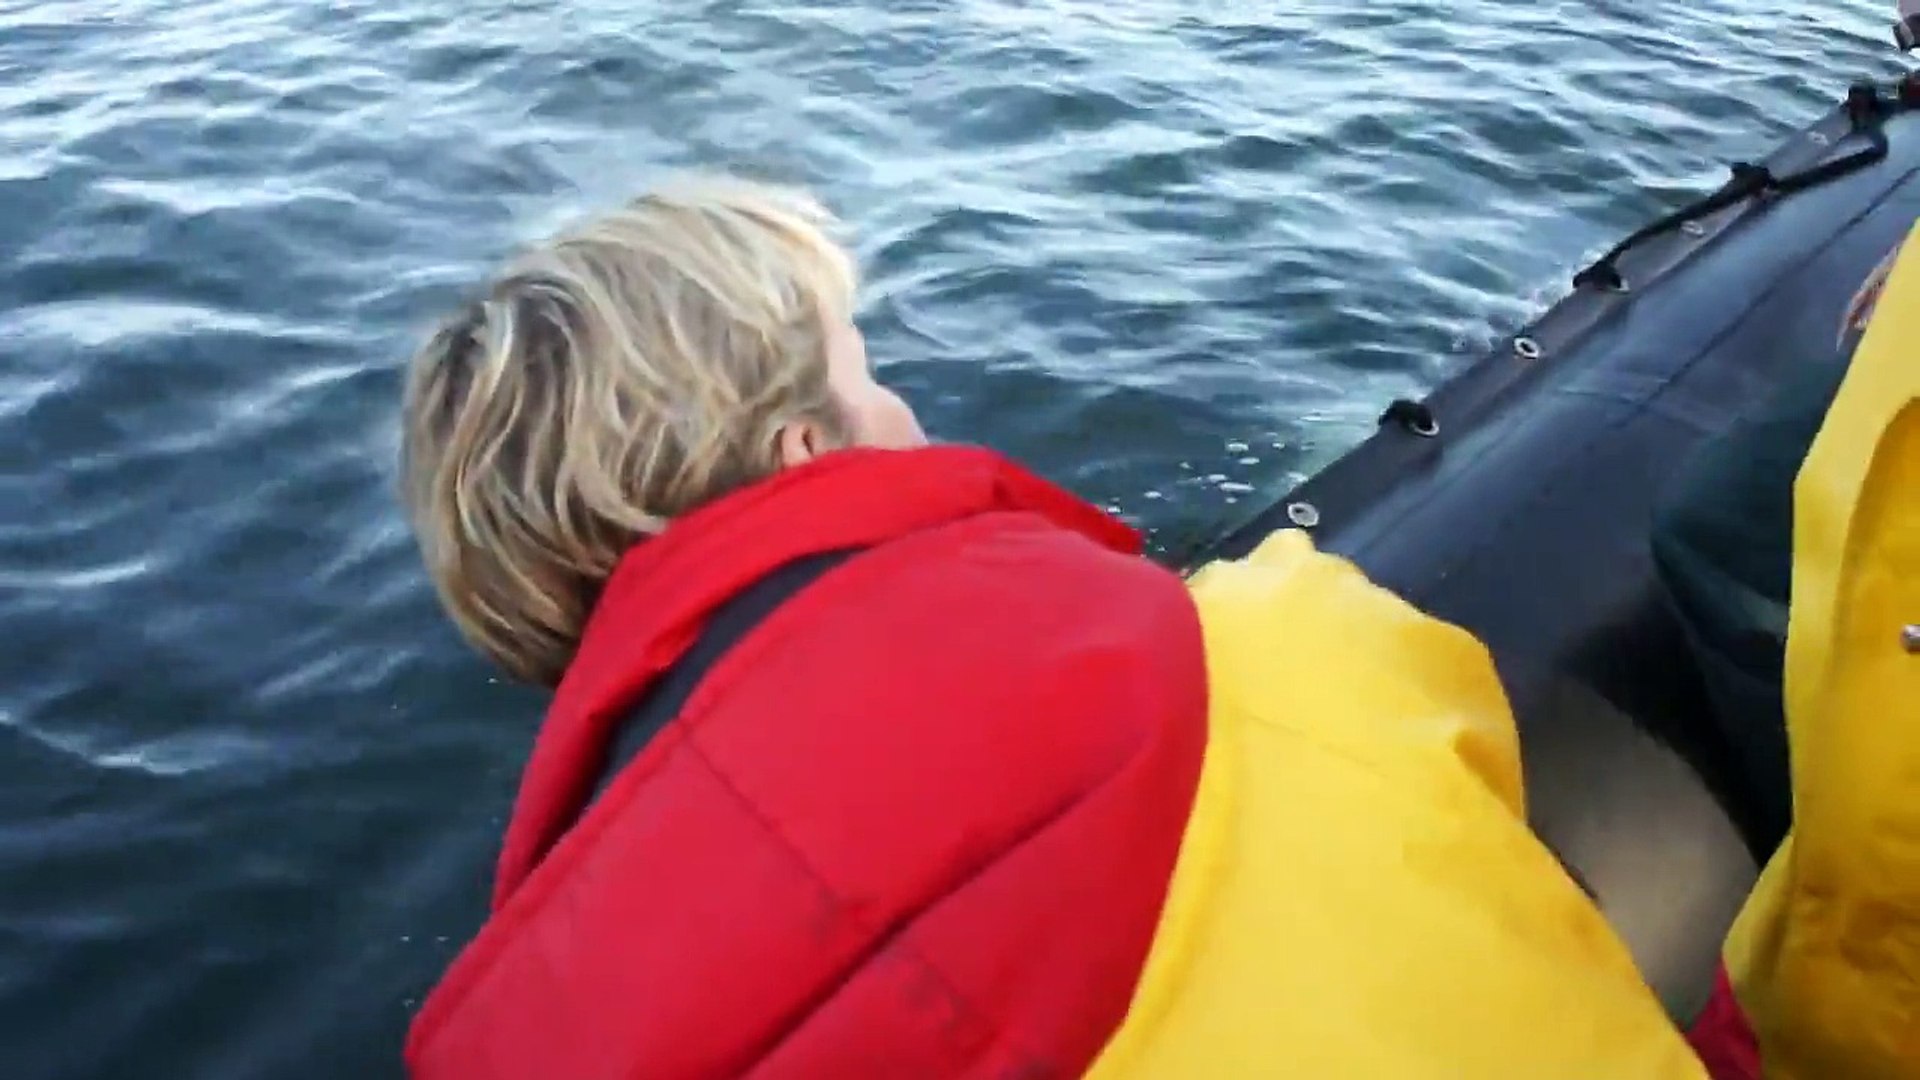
{"type": "Point", "coordinates": [920, 821]}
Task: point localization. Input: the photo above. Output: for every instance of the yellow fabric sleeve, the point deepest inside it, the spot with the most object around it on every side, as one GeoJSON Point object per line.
{"type": "Point", "coordinates": [1358, 894]}
{"type": "Point", "coordinates": [1825, 958]}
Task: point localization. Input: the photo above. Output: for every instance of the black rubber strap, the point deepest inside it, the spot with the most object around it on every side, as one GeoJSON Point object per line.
{"type": "Point", "coordinates": [1748, 180]}
{"type": "Point", "coordinates": [728, 626]}
{"type": "Point", "coordinates": [1865, 109]}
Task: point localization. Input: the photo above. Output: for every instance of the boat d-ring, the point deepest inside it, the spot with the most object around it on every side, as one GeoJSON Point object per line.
{"type": "Point", "coordinates": [1694, 229]}
{"type": "Point", "coordinates": [1304, 514]}
{"type": "Point", "coordinates": [1819, 138]}
{"type": "Point", "coordinates": [1412, 416]}
{"type": "Point", "coordinates": [1527, 349]}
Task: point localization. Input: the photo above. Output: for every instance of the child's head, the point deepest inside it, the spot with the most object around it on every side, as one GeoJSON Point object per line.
{"type": "Point", "coordinates": [624, 373]}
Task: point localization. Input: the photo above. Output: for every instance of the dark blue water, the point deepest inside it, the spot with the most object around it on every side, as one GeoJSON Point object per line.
{"type": "Point", "coordinates": [252, 784]}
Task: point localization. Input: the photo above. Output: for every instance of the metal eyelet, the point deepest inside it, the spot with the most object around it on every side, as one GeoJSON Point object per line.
{"type": "Point", "coordinates": [1527, 349]}
{"type": "Point", "coordinates": [1303, 514]}
{"type": "Point", "coordinates": [1694, 229]}
{"type": "Point", "coordinates": [1910, 638]}
{"type": "Point", "coordinates": [1413, 417]}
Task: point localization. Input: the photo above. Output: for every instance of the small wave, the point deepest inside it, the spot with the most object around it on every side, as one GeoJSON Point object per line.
{"type": "Point", "coordinates": [98, 322]}
{"type": "Point", "coordinates": [1024, 112]}
{"type": "Point", "coordinates": [78, 578]}
{"type": "Point", "coordinates": [170, 757]}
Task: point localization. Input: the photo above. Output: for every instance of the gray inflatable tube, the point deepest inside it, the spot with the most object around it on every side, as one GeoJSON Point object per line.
{"type": "Point", "coordinates": [1518, 501]}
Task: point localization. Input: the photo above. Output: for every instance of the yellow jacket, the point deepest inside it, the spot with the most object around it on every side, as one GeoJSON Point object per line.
{"type": "Point", "coordinates": [1825, 959]}
{"type": "Point", "coordinates": [1358, 894]}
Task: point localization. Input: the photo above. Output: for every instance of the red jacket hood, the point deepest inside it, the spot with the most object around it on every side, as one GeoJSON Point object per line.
{"type": "Point", "coordinates": [919, 821]}
{"type": "Point", "coordinates": [665, 588]}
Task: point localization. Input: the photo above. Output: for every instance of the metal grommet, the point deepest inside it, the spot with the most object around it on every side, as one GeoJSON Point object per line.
{"type": "Point", "coordinates": [1819, 138]}
{"type": "Point", "coordinates": [1694, 228]}
{"type": "Point", "coordinates": [1303, 514]}
{"type": "Point", "coordinates": [1413, 417]}
{"type": "Point", "coordinates": [1910, 638]}
{"type": "Point", "coordinates": [1526, 348]}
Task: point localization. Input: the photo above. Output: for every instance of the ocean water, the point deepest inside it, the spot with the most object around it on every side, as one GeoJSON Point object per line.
{"type": "Point", "coordinates": [253, 784]}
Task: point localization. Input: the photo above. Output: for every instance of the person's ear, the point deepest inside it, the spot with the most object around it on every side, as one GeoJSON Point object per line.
{"type": "Point", "coordinates": [798, 442]}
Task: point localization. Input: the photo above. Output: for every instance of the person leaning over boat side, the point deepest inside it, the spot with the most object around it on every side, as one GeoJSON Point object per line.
{"type": "Point", "coordinates": [872, 758]}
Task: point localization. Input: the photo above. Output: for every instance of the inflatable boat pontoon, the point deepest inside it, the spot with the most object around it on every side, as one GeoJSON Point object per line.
{"type": "Point", "coordinates": [1518, 501]}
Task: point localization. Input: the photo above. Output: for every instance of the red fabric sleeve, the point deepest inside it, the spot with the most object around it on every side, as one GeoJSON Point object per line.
{"type": "Point", "coordinates": [1722, 1036]}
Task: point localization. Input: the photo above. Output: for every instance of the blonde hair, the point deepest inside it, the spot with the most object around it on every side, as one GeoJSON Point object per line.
{"type": "Point", "coordinates": [621, 374]}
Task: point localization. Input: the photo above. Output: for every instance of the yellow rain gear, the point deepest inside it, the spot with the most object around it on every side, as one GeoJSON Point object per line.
{"type": "Point", "coordinates": [1825, 958]}
{"type": "Point", "coordinates": [1358, 894]}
